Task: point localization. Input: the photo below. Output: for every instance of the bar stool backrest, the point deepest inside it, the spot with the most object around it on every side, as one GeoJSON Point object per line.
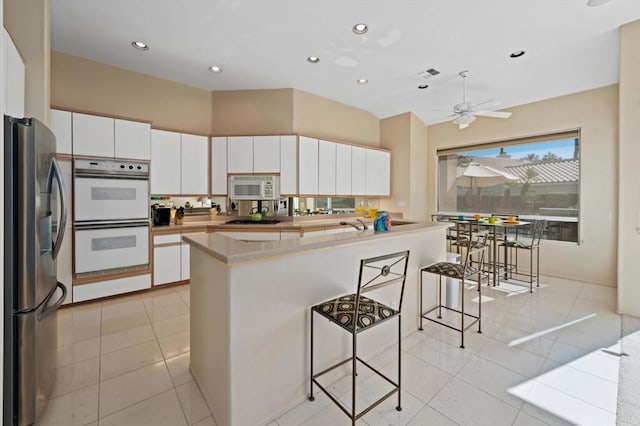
{"type": "Point", "coordinates": [539, 227]}
{"type": "Point", "coordinates": [381, 271]}
{"type": "Point", "coordinates": [477, 249]}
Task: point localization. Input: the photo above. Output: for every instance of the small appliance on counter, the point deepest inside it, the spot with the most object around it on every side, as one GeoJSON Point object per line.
{"type": "Point", "coordinates": [161, 215]}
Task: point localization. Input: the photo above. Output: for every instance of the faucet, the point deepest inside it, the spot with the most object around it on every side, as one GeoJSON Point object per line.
{"type": "Point", "coordinates": [364, 225]}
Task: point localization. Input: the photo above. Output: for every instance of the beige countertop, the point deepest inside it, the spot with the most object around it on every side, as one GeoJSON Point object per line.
{"type": "Point", "coordinates": [228, 250]}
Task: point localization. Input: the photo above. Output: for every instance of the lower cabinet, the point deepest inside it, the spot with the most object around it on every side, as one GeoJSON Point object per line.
{"type": "Point", "coordinates": [170, 259]}
{"type": "Point", "coordinates": [184, 262]}
{"type": "Point", "coordinates": [91, 291]}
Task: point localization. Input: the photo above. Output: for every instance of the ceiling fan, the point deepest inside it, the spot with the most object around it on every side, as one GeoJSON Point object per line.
{"type": "Point", "coordinates": [465, 113]}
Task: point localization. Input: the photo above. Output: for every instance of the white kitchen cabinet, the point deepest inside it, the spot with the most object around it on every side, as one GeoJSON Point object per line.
{"type": "Point", "coordinates": [307, 166]}
{"type": "Point", "coordinates": [288, 165]}
{"type": "Point", "coordinates": [240, 154]}
{"type": "Point", "coordinates": [194, 165]}
{"type": "Point", "coordinates": [306, 234]}
{"type": "Point", "coordinates": [343, 169]}
{"type": "Point", "coordinates": [111, 287]}
{"type": "Point", "coordinates": [60, 124]}
{"type": "Point", "coordinates": [167, 262]}
{"type": "Point", "coordinates": [165, 162]}
{"type": "Point", "coordinates": [93, 135]}
{"type": "Point", "coordinates": [378, 172]}
{"type": "Point", "coordinates": [132, 140]}
{"type": "Point", "coordinates": [358, 170]}
{"type": "Point", "coordinates": [14, 78]}
{"type": "Point", "coordinates": [185, 273]}
{"type": "Point", "coordinates": [219, 166]}
{"type": "Point", "coordinates": [326, 168]}
{"type": "Point", "coordinates": [266, 154]}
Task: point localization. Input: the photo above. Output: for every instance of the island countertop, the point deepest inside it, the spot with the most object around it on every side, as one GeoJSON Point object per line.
{"type": "Point", "coordinates": [229, 250]}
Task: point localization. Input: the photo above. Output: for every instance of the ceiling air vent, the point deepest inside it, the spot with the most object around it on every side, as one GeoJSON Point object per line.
{"type": "Point", "coordinates": [428, 73]}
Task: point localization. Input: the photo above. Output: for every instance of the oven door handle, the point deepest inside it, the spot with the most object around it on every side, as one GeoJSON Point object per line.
{"type": "Point", "coordinates": [111, 225]}
{"type": "Point", "coordinates": [54, 172]}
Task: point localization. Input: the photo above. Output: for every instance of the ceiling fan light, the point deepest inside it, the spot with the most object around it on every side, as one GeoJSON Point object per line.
{"type": "Point", "coordinates": [464, 119]}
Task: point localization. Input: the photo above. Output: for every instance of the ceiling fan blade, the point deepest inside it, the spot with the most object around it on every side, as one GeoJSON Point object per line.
{"type": "Point", "coordinates": [493, 114]}
{"type": "Point", "coordinates": [463, 126]}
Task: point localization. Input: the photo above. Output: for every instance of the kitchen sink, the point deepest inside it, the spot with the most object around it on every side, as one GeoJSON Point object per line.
{"type": "Point", "coordinates": [401, 222]}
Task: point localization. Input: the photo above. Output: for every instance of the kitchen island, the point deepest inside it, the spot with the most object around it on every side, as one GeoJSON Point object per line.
{"type": "Point", "coordinates": [250, 312]}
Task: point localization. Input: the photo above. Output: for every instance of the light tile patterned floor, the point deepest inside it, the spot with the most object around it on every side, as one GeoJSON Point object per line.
{"type": "Point", "coordinates": [551, 357]}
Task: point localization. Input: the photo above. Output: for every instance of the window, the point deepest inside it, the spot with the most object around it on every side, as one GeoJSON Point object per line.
{"type": "Point", "coordinates": [533, 178]}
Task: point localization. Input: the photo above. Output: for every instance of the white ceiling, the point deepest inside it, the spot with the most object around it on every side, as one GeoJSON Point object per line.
{"type": "Point", "coordinates": [263, 44]}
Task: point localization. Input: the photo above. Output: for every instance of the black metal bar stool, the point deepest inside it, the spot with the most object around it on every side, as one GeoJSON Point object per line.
{"type": "Point", "coordinates": [530, 246]}
{"type": "Point", "coordinates": [355, 314]}
{"type": "Point", "coordinates": [472, 265]}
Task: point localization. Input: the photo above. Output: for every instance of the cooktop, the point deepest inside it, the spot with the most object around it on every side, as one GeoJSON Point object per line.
{"type": "Point", "coordinates": [252, 222]}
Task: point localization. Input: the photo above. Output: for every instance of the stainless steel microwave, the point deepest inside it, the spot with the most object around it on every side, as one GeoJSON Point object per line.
{"type": "Point", "coordinates": [250, 187]}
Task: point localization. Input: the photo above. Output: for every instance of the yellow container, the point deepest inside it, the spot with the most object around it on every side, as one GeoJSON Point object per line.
{"type": "Point", "coordinates": [372, 213]}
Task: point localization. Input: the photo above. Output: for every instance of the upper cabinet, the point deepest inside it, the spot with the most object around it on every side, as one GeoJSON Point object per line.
{"type": "Point", "coordinates": [194, 164]}
{"type": "Point", "coordinates": [132, 140]}
{"type": "Point", "coordinates": [378, 173]}
{"type": "Point", "coordinates": [307, 166]}
{"type": "Point", "coordinates": [219, 166]}
{"type": "Point", "coordinates": [240, 154]}
{"type": "Point", "coordinates": [266, 154]}
{"type": "Point", "coordinates": [343, 169]}
{"type": "Point", "coordinates": [326, 168]}
{"type": "Point", "coordinates": [93, 135]}
{"type": "Point", "coordinates": [96, 136]}
{"type": "Point", "coordinates": [288, 165]}
{"type": "Point", "coordinates": [165, 162]}
{"type": "Point", "coordinates": [358, 170]}
{"type": "Point", "coordinates": [14, 78]}
{"type": "Point", "coordinates": [179, 163]}
{"type": "Point", "coordinates": [60, 124]}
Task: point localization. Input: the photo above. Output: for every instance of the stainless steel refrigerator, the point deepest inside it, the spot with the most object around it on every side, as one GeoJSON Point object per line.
{"type": "Point", "coordinates": [35, 219]}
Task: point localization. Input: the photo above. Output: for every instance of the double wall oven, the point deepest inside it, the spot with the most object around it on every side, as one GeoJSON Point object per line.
{"type": "Point", "coordinates": [111, 216]}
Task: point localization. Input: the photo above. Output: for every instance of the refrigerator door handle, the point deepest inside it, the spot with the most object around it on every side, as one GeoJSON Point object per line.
{"type": "Point", "coordinates": [49, 309]}
{"type": "Point", "coordinates": [55, 172]}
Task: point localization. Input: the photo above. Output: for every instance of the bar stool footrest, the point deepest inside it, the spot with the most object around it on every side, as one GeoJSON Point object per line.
{"type": "Point", "coordinates": [437, 321]}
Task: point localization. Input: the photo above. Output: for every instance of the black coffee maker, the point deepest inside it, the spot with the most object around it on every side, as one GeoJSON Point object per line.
{"type": "Point", "coordinates": [161, 215]}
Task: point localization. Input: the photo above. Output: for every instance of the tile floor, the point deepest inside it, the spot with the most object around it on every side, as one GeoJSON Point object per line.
{"type": "Point", "coordinates": [552, 357]}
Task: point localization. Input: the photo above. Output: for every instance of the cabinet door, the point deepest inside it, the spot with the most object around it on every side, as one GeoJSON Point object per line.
{"type": "Point", "coordinates": [240, 154]}
{"type": "Point", "coordinates": [61, 127]}
{"type": "Point", "coordinates": [165, 162]}
{"type": "Point", "coordinates": [93, 135]}
{"type": "Point", "coordinates": [378, 172]}
{"type": "Point", "coordinates": [358, 170]}
{"type": "Point", "coordinates": [219, 166]}
{"type": "Point", "coordinates": [14, 78]}
{"type": "Point", "coordinates": [343, 169]}
{"type": "Point", "coordinates": [132, 140]}
{"type": "Point", "coordinates": [326, 168]}
{"type": "Point", "coordinates": [166, 264]}
{"type": "Point", "coordinates": [266, 154]}
{"type": "Point", "coordinates": [288, 165]}
{"type": "Point", "coordinates": [308, 166]}
{"type": "Point", "coordinates": [195, 165]}
{"type": "Point", "coordinates": [185, 273]}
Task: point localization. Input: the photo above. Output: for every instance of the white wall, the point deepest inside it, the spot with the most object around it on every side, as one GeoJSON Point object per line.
{"type": "Point", "coordinates": [595, 112]}
{"type": "Point", "coordinates": [629, 173]}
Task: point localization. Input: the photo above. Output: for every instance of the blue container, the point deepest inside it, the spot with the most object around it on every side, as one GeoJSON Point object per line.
{"type": "Point", "coordinates": [382, 222]}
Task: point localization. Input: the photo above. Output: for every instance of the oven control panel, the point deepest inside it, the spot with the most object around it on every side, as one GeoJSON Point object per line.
{"type": "Point", "coordinates": [110, 166]}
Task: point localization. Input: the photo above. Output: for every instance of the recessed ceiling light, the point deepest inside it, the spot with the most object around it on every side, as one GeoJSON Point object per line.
{"type": "Point", "coordinates": [360, 28]}
{"type": "Point", "coordinates": [215, 68]}
{"type": "Point", "coordinates": [313, 59]}
{"type": "Point", "coordinates": [140, 45]}
{"type": "Point", "coordinates": [517, 54]}
{"type": "Point", "coordinates": [596, 3]}
{"type": "Point", "coordinates": [362, 81]}
{"type": "Point", "coordinates": [423, 86]}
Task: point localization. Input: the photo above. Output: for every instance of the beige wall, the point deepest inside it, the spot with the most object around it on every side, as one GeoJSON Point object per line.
{"type": "Point", "coordinates": [629, 172]}
{"type": "Point", "coordinates": [252, 112]}
{"type": "Point", "coordinates": [406, 137]}
{"type": "Point", "coordinates": [28, 24]}
{"type": "Point", "coordinates": [596, 113]}
{"type": "Point", "coordinates": [324, 118]}
{"type": "Point", "coordinates": [84, 85]}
